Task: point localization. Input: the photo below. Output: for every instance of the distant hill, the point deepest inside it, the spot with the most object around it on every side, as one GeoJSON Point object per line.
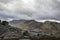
{"type": "Point", "coordinates": [48, 26]}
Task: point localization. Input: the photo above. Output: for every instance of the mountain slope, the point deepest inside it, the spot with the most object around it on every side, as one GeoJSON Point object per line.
{"type": "Point", "coordinates": [7, 31]}
{"type": "Point", "coordinates": [48, 26]}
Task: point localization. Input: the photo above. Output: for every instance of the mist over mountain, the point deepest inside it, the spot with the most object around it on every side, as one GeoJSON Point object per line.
{"type": "Point", "coordinates": [29, 9]}
{"type": "Point", "coordinates": [29, 19]}
{"type": "Point", "coordinates": [31, 25]}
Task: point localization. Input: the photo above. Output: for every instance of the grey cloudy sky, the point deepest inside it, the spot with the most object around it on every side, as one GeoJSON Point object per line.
{"type": "Point", "coordinates": [30, 9]}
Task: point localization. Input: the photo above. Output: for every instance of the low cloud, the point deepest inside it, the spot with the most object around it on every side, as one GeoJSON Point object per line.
{"type": "Point", "coordinates": [30, 9]}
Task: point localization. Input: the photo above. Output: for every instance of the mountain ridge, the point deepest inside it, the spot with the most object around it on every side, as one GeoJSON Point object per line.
{"type": "Point", "coordinates": [47, 26]}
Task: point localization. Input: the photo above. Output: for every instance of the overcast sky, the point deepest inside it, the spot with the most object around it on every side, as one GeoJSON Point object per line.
{"type": "Point", "coordinates": [30, 9]}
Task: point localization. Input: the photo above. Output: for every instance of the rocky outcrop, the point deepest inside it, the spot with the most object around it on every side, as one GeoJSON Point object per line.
{"type": "Point", "coordinates": [9, 32]}
{"type": "Point", "coordinates": [4, 23]}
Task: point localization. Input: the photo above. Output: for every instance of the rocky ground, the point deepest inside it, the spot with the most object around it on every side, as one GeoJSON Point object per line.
{"type": "Point", "coordinates": [8, 32]}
